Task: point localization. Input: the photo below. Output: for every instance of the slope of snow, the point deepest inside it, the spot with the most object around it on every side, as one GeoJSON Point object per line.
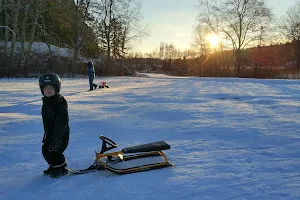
{"type": "Point", "coordinates": [230, 138]}
{"type": "Point", "coordinates": [42, 48]}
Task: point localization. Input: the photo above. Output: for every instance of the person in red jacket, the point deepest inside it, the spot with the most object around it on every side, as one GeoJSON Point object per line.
{"type": "Point", "coordinates": [56, 125]}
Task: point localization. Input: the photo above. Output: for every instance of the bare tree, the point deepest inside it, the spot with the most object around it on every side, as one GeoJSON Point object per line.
{"type": "Point", "coordinates": [118, 26]}
{"type": "Point", "coordinates": [4, 59]}
{"type": "Point", "coordinates": [16, 25]}
{"type": "Point", "coordinates": [200, 44]}
{"type": "Point", "coordinates": [15, 28]}
{"type": "Point", "coordinates": [106, 17]}
{"type": "Point", "coordinates": [78, 20]}
{"type": "Point", "coordinates": [237, 22]}
{"type": "Point", "coordinates": [290, 25]}
{"type": "Point", "coordinates": [162, 50]}
{"type": "Point", "coordinates": [129, 29]}
{"type": "Point", "coordinates": [82, 13]}
{"type": "Point", "coordinates": [130, 14]}
{"type": "Point", "coordinates": [23, 34]}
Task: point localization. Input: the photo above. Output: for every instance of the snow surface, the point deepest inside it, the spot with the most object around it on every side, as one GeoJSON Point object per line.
{"type": "Point", "coordinates": [42, 48]}
{"type": "Point", "coordinates": [230, 138]}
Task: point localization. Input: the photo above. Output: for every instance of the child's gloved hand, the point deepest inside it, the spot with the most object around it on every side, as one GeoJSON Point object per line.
{"type": "Point", "coordinates": [55, 145]}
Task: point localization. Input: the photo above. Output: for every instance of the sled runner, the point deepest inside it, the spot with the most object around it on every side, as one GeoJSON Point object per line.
{"type": "Point", "coordinates": [128, 160]}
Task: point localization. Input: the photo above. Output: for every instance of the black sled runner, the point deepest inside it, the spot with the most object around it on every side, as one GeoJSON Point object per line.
{"type": "Point", "coordinates": [129, 160]}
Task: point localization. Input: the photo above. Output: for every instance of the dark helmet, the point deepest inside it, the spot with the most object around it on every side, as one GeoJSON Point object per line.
{"type": "Point", "coordinates": [90, 64]}
{"type": "Point", "coordinates": [50, 79]}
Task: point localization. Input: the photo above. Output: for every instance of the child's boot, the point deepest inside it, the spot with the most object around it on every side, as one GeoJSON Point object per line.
{"type": "Point", "coordinates": [47, 171]}
{"type": "Point", "coordinates": [58, 172]}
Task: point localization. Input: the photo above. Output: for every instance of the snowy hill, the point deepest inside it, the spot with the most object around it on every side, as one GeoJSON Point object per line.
{"type": "Point", "coordinates": [230, 138]}
{"type": "Point", "coordinates": [43, 48]}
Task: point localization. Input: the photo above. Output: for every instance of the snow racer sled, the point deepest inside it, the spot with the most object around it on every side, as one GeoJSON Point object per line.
{"type": "Point", "coordinates": [129, 160]}
{"type": "Point", "coordinates": [103, 85]}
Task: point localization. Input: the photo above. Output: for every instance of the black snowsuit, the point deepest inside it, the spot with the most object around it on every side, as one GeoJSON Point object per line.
{"type": "Point", "coordinates": [56, 126]}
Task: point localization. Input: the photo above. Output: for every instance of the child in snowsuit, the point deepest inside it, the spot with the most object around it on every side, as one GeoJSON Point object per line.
{"type": "Point", "coordinates": [91, 73]}
{"type": "Point", "coordinates": [56, 125]}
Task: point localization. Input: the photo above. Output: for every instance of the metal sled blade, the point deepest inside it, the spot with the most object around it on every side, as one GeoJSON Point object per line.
{"type": "Point", "coordinates": [140, 162]}
{"type": "Point", "coordinates": [84, 171]}
{"type": "Point", "coordinates": [135, 162]}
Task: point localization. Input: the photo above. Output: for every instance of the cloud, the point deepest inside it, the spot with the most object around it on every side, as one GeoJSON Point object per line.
{"type": "Point", "coordinates": [169, 26]}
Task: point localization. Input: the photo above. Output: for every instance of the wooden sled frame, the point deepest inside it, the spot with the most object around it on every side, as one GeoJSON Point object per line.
{"type": "Point", "coordinates": [135, 152]}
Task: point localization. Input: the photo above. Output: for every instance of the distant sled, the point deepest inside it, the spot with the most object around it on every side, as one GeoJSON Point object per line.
{"type": "Point", "coordinates": [129, 160]}
{"type": "Point", "coordinates": [103, 85]}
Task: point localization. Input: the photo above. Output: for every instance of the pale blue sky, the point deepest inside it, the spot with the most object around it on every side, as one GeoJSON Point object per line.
{"type": "Point", "coordinates": [172, 21]}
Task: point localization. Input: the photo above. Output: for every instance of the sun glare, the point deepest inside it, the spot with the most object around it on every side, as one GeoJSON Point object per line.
{"type": "Point", "coordinates": [213, 40]}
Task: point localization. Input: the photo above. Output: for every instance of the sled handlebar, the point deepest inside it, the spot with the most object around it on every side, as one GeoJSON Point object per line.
{"type": "Point", "coordinates": [108, 141]}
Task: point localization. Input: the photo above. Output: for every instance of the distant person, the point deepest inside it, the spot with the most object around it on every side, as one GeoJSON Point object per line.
{"type": "Point", "coordinates": [56, 125]}
{"type": "Point", "coordinates": [91, 73]}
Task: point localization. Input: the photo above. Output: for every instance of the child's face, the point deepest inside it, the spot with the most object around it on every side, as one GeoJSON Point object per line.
{"type": "Point", "coordinates": [49, 91]}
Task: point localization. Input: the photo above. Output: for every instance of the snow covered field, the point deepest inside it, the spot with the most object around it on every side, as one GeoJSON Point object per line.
{"type": "Point", "coordinates": [230, 138]}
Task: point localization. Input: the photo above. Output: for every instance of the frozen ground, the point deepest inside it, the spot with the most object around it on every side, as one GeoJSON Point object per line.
{"type": "Point", "coordinates": [230, 138]}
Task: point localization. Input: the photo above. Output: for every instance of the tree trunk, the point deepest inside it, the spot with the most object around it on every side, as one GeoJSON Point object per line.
{"type": "Point", "coordinates": [108, 32]}
{"type": "Point", "coordinates": [1, 55]}
{"type": "Point", "coordinates": [298, 54]}
{"type": "Point", "coordinates": [76, 47]}
{"type": "Point", "coordinates": [6, 37]}
{"type": "Point", "coordinates": [31, 37]}
{"type": "Point", "coordinates": [238, 62]}
{"type": "Point", "coordinates": [22, 39]}
{"type": "Point", "coordinates": [15, 17]}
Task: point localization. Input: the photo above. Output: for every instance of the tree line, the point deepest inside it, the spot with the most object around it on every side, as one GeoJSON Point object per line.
{"type": "Point", "coordinates": [99, 29]}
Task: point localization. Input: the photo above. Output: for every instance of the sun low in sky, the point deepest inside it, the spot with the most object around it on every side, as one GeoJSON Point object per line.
{"type": "Point", "coordinates": [213, 40]}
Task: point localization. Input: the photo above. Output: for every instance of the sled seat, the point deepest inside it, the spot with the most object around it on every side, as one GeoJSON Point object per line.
{"type": "Point", "coordinates": [153, 146]}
